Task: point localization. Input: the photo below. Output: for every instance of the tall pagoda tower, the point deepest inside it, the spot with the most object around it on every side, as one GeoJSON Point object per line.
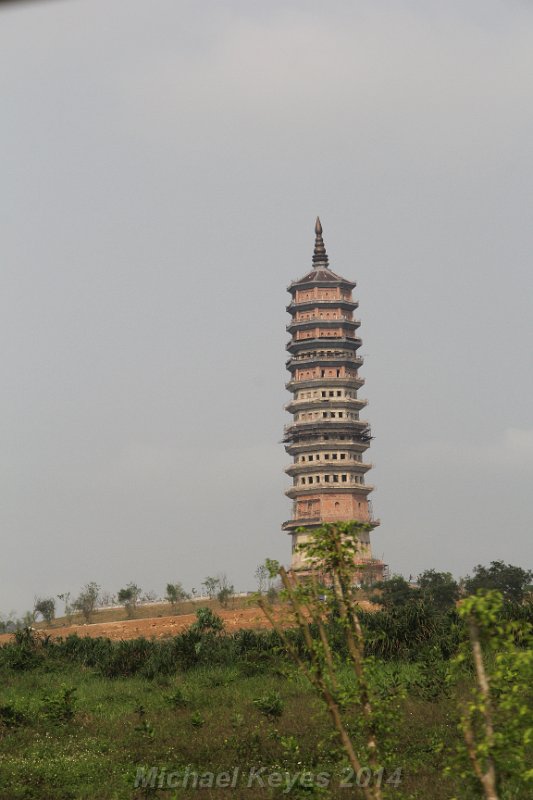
{"type": "Point", "coordinates": [326, 438]}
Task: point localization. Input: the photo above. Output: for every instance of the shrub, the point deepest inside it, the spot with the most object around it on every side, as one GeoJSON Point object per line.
{"type": "Point", "coordinates": [11, 717]}
{"type": "Point", "coordinates": [60, 708]}
{"type": "Point", "coordinates": [178, 698]}
{"type": "Point", "coordinates": [207, 621]}
{"type": "Point", "coordinates": [271, 704]}
{"type": "Point", "coordinates": [175, 593]}
{"type": "Point", "coordinates": [197, 720]}
{"type": "Point", "coordinates": [46, 607]}
{"type": "Point", "coordinates": [129, 597]}
{"type": "Point", "coordinates": [86, 601]}
{"type": "Point", "coordinates": [505, 578]}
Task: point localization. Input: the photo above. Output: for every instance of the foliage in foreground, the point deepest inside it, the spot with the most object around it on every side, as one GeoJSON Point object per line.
{"type": "Point", "coordinates": [77, 716]}
{"type": "Point", "coordinates": [496, 720]}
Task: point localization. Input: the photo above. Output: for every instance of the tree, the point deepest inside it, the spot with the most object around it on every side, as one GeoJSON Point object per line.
{"type": "Point", "coordinates": [331, 553]}
{"type": "Point", "coordinates": [496, 710]}
{"type": "Point", "coordinates": [509, 580]}
{"type": "Point", "coordinates": [106, 599]}
{"type": "Point", "coordinates": [395, 592]}
{"type": "Point", "coordinates": [129, 597]}
{"type": "Point", "coordinates": [438, 589]}
{"type": "Point", "coordinates": [86, 601]}
{"type": "Point", "coordinates": [65, 597]}
{"type": "Point", "coordinates": [9, 623]}
{"type": "Point", "coordinates": [207, 622]}
{"type": "Point", "coordinates": [46, 607]}
{"type": "Point", "coordinates": [261, 574]}
{"type": "Point", "coordinates": [226, 590]}
{"type": "Point", "coordinates": [175, 593]}
{"type": "Point", "coordinates": [211, 586]}
{"type": "Point", "coordinates": [272, 594]}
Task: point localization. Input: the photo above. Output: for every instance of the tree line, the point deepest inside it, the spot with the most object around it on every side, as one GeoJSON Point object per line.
{"type": "Point", "coordinates": [437, 590]}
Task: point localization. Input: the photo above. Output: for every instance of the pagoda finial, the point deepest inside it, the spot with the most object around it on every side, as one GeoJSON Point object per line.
{"type": "Point", "coordinates": [320, 257]}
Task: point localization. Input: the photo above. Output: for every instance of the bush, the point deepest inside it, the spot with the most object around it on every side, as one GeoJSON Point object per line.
{"type": "Point", "coordinates": [46, 607]}
{"type": "Point", "coordinates": [86, 601]}
{"type": "Point", "coordinates": [11, 717]}
{"type": "Point", "coordinates": [60, 708]}
{"type": "Point", "coordinates": [175, 593]}
{"type": "Point", "coordinates": [207, 621]}
{"type": "Point", "coordinates": [271, 704]}
{"type": "Point", "coordinates": [129, 597]}
{"type": "Point", "coordinates": [509, 580]}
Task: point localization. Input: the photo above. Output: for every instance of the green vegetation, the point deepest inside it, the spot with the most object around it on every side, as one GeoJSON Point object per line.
{"type": "Point", "coordinates": [495, 715]}
{"type": "Point", "coordinates": [511, 581]}
{"type": "Point", "coordinates": [129, 597]}
{"type": "Point", "coordinates": [87, 600]}
{"type": "Point", "coordinates": [175, 594]}
{"type": "Point", "coordinates": [421, 698]}
{"type": "Point", "coordinates": [80, 716]}
{"type": "Point", "coordinates": [46, 607]}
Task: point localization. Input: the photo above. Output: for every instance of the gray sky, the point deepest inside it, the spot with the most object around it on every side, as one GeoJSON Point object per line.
{"type": "Point", "coordinates": [162, 164]}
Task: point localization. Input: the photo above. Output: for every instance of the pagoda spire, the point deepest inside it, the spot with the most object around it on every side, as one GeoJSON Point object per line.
{"type": "Point", "coordinates": [320, 257]}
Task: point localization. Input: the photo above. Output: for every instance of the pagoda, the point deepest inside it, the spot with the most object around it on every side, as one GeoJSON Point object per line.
{"type": "Point", "coordinates": [327, 439]}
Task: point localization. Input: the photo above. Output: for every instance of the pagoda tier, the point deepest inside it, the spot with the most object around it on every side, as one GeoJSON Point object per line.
{"type": "Point", "coordinates": [308, 344]}
{"type": "Point", "coordinates": [304, 328]}
{"type": "Point", "coordinates": [311, 304]}
{"type": "Point", "coordinates": [354, 382]}
{"type": "Point", "coordinates": [337, 399]}
{"type": "Point", "coordinates": [326, 438]}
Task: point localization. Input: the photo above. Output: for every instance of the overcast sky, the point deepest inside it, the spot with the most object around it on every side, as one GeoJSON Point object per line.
{"type": "Point", "coordinates": [162, 164]}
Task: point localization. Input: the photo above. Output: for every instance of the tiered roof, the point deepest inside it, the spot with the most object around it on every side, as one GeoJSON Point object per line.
{"type": "Point", "coordinates": [321, 274]}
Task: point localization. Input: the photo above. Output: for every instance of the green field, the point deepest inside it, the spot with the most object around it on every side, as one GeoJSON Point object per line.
{"type": "Point", "coordinates": [79, 718]}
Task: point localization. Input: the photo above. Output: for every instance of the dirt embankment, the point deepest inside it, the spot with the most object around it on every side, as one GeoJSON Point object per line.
{"type": "Point", "coordinates": [154, 626]}
{"type": "Point", "coordinates": [157, 627]}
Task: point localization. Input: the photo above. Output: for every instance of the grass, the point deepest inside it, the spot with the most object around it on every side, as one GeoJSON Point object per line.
{"type": "Point", "coordinates": [218, 723]}
{"type": "Point", "coordinates": [79, 717]}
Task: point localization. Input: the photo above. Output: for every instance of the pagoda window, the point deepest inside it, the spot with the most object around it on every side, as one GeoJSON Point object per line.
{"type": "Point", "coordinates": [326, 478]}
{"type": "Point", "coordinates": [335, 479]}
{"type": "Point", "coordinates": [344, 478]}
